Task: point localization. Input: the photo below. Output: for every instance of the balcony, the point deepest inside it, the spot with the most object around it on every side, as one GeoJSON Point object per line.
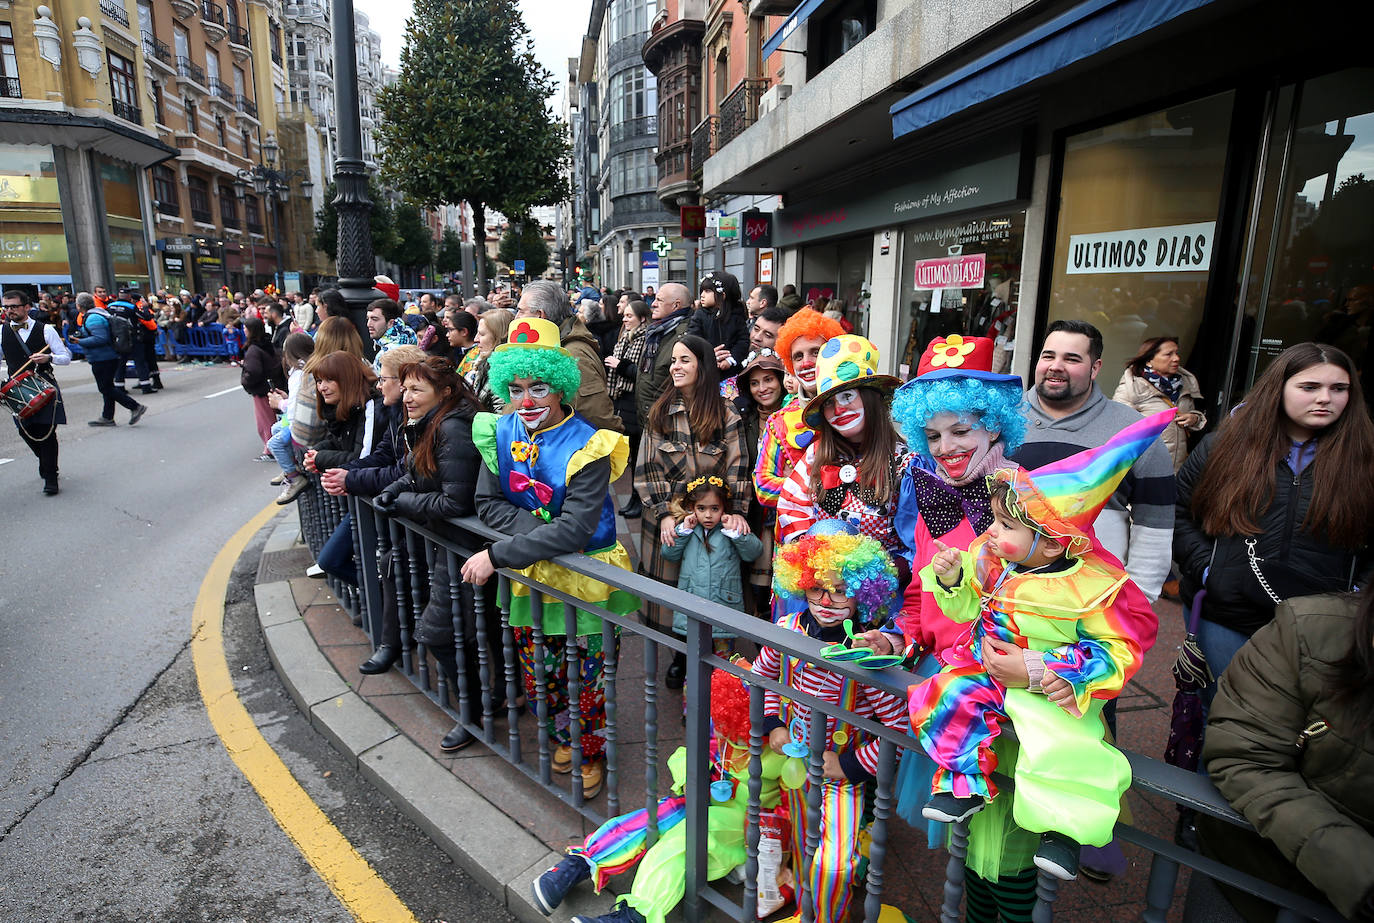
{"type": "Point", "coordinates": [188, 72]}
{"type": "Point", "coordinates": [240, 43]}
{"type": "Point", "coordinates": [228, 218]}
{"type": "Point", "coordinates": [740, 109]}
{"type": "Point", "coordinates": [276, 56]}
{"type": "Point", "coordinates": [212, 21]}
{"type": "Point", "coordinates": [9, 88]}
{"type": "Point", "coordinates": [631, 47]}
{"type": "Point", "coordinates": [634, 128]}
{"type": "Point", "coordinates": [704, 143]}
{"type": "Point", "coordinates": [157, 53]}
{"type": "Point", "coordinates": [223, 95]}
{"type": "Point", "coordinates": [185, 9]}
{"type": "Point", "coordinates": [246, 105]}
{"type": "Point", "coordinates": [114, 10]}
{"type": "Point", "coordinates": [127, 111]}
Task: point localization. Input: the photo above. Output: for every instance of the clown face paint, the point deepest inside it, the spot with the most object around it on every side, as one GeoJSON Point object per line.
{"type": "Point", "coordinates": [845, 412]}
{"type": "Point", "coordinates": [536, 404]}
{"type": "Point", "coordinates": [830, 607]}
{"type": "Point", "coordinates": [804, 353]}
{"type": "Point", "coordinates": [1008, 538]}
{"type": "Point", "coordinates": [959, 446]}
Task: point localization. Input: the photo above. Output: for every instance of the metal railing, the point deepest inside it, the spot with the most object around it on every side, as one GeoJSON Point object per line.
{"type": "Point", "coordinates": [646, 126]}
{"type": "Point", "coordinates": [9, 88]}
{"type": "Point", "coordinates": [152, 48]}
{"type": "Point", "coordinates": [406, 562]}
{"type": "Point", "coordinates": [127, 111]}
{"type": "Point", "coordinates": [191, 71]}
{"type": "Point", "coordinates": [276, 55]}
{"type": "Point", "coordinates": [740, 109]}
{"type": "Point", "coordinates": [704, 142]}
{"type": "Point", "coordinates": [238, 35]}
{"type": "Point", "coordinates": [212, 13]}
{"type": "Point", "coordinates": [246, 105]}
{"type": "Point", "coordinates": [114, 9]}
{"type": "Point", "coordinates": [221, 90]}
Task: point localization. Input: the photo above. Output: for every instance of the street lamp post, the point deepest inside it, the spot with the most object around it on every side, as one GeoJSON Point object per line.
{"type": "Point", "coordinates": [275, 184]}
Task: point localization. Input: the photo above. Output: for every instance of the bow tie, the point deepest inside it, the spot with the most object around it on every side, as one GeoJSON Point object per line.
{"type": "Point", "coordinates": [521, 483]}
{"type": "Point", "coordinates": [833, 476]}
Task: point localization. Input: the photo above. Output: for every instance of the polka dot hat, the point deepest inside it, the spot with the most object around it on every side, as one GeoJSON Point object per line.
{"type": "Point", "coordinates": [848, 361]}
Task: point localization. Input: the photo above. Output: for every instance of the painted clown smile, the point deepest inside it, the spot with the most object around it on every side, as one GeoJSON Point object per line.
{"type": "Point", "coordinates": [955, 465]}
{"type": "Point", "coordinates": [532, 417]}
{"type": "Point", "coordinates": [828, 616]}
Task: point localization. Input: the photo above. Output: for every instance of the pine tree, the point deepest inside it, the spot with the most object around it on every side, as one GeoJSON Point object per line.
{"type": "Point", "coordinates": [467, 119]}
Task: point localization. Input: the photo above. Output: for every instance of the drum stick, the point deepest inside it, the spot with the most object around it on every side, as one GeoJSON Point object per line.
{"type": "Point", "coordinates": [30, 362]}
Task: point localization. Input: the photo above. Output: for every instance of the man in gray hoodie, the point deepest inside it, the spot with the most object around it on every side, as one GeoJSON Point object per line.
{"type": "Point", "coordinates": [1067, 413]}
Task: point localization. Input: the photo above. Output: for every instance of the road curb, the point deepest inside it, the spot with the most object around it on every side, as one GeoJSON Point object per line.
{"type": "Point", "coordinates": [499, 854]}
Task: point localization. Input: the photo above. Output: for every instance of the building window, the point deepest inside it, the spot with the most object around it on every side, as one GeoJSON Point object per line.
{"type": "Point", "coordinates": [247, 144]}
{"type": "Point", "coordinates": [199, 191]}
{"type": "Point", "coordinates": [192, 116]}
{"type": "Point", "coordinates": [9, 63]}
{"type": "Point", "coordinates": [831, 36]}
{"type": "Point", "coordinates": [181, 43]}
{"type": "Point", "coordinates": [634, 95]}
{"type": "Point", "coordinates": [165, 190]}
{"type": "Point", "coordinates": [228, 207]}
{"type": "Point", "coordinates": [123, 96]}
{"type": "Point", "coordinates": [630, 17]}
{"type": "Point", "coordinates": [159, 114]}
{"type": "Point", "coordinates": [252, 214]}
{"type": "Point", "coordinates": [220, 131]}
{"type": "Point", "coordinates": [633, 171]}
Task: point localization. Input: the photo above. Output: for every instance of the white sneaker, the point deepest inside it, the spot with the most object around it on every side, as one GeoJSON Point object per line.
{"type": "Point", "coordinates": [314, 570]}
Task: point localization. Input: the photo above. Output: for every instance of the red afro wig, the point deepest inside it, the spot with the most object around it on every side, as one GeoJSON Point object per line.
{"type": "Point", "coordinates": [805, 323]}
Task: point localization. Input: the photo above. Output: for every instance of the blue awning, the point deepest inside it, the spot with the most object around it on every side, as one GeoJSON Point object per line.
{"type": "Point", "coordinates": [789, 25]}
{"type": "Point", "coordinates": [1083, 31]}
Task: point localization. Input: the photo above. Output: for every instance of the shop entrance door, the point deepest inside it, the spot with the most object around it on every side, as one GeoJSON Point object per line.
{"type": "Point", "coordinates": [1308, 266]}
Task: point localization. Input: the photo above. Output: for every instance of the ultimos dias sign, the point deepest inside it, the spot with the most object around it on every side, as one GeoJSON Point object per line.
{"type": "Point", "coordinates": [1179, 248]}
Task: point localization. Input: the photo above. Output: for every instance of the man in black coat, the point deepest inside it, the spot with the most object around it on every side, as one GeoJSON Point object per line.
{"type": "Point", "coordinates": [22, 339]}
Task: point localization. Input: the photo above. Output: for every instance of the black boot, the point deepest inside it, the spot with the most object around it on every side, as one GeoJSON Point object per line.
{"type": "Point", "coordinates": [676, 677]}
{"type": "Point", "coordinates": [157, 382]}
{"type": "Point", "coordinates": [381, 661]}
{"type": "Point", "coordinates": [633, 508]}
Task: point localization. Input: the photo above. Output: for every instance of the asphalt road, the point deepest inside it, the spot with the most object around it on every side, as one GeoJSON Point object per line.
{"type": "Point", "coordinates": [117, 800]}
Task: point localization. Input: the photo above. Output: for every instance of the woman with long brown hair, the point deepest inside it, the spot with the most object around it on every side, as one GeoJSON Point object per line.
{"type": "Point", "coordinates": [1155, 380]}
{"type": "Point", "coordinates": [334, 335]}
{"type": "Point", "coordinates": [691, 432]}
{"type": "Point", "coordinates": [439, 485]}
{"type": "Point", "coordinates": [852, 470]}
{"type": "Point", "coordinates": [1273, 505]}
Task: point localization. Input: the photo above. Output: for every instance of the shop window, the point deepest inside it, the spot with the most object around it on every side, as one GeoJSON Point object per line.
{"type": "Point", "coordinates": [165, 190]}
{"type": "Point", "coordinates": [960, 275]}
{"type": "Point", "coordinates": [835, 276]}
{"type": "Point", "coordinates": [1137, 222]}
{"type": "Point", "coordinates": [831, 35]}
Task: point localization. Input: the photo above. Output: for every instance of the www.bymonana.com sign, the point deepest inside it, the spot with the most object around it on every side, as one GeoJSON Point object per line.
{"type": "Point", "coordinates": [1178, 248]}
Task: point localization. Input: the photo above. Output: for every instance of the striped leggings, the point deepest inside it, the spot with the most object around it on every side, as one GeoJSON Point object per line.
{"type": "Point", "coordinates": [828, 880]}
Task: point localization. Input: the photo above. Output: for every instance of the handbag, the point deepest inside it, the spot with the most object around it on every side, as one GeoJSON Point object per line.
{"type": "Point", "coordinates": [1191, 676]}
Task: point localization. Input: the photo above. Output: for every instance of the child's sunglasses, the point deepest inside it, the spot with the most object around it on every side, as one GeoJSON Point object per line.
{"type": "Point", "coordinates": [864, 657]}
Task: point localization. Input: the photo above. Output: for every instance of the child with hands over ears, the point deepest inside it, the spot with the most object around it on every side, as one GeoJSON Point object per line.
{"type": "Point", "coordinates": [1057, 629]}
{"type": "Point", "coordinates": [710, 542]}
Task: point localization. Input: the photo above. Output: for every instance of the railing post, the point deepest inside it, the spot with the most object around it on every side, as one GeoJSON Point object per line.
{"type": "Point", "coordinates": [514, 681]}
{"type": "Point", "coordinates": [751, 824]}
{"type": "Point", "coordinates": [366, 542]}
{"type": "Point", "coordinates": [541, 681]}
{"type": "Point", "coordinates": [416, 594]}
{"type": "Point", "coordinates": [460, 644]}
{"type": "Point", "coordinates": [486, 681]}
{"type": "Point", "coordinates": [698, 735]}
{"type": "Point", "coordinates": [877, 843]}
{"type": "Point", "coordinates": [954, 873]}
{"type": "Point", "coordinates": [572, 678]}
{"type": "Point", "coordinates": [1159, 890]}
{"type": "Point", "coordinates": [1046, 891]}
{"type": "Point", "coordinates": [610, 664]}
{"type": "Point", "coordinates": [651, 737]}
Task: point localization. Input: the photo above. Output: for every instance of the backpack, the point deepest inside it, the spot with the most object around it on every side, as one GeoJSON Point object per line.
{"type": "Point", "coordinates": [121, 334]}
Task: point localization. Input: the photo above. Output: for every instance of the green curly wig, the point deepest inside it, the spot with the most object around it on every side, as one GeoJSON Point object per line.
{"type": "Point", "coordinates": [555, 368]}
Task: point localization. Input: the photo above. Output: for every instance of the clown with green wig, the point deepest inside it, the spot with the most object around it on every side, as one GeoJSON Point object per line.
{"type": "Point", "coordinates": [545, 482]}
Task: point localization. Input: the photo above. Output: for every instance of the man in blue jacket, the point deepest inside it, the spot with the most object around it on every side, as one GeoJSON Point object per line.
{"type": "Point", "coordinates": [97, 342]}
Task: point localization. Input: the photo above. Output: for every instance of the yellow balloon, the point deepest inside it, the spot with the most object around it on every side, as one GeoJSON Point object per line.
{"type": "Point", "coordinates": [793, 774]}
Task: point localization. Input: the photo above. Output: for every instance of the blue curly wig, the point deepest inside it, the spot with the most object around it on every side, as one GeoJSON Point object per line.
{"type": "Point", "coordinates": [990, 405]}
{"type": "Point", "coordinates": [555, 368]}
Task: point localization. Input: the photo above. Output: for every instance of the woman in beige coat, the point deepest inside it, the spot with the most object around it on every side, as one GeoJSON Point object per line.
{"type": "Point", "coordinates": [1155, 381]}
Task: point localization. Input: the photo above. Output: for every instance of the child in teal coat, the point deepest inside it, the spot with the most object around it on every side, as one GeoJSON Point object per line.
{"type": "Point", "coordinates": [709, 552]}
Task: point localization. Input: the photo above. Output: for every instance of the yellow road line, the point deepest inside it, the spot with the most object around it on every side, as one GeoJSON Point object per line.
{"type": "Point", "coordinates": [347, 873]}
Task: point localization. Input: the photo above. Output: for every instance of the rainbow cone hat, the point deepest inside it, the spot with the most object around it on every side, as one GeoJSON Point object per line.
{"type": "Point", "coordinates": [1063, 499]}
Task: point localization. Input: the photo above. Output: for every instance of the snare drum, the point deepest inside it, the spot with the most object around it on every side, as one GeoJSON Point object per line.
{"type": "Point", "coordinates": [27, 393]}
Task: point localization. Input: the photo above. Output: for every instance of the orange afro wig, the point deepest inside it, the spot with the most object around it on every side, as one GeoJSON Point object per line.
{"type": "Point", "coordinates": [805, 323]}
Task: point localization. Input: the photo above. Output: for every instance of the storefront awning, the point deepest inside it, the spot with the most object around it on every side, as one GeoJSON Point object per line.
{"type": "Point", "coordinates": [1085, 30]}
{"type": "Point", "coordinates": [789, 25]}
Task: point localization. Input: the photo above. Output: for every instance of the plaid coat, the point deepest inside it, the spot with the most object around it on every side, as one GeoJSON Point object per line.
{"type": "Point", "coordinates": [666, 463]}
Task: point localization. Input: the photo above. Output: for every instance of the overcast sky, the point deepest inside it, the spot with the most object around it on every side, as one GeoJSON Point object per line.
{"type": "Point", "coordinates": [557, 27]}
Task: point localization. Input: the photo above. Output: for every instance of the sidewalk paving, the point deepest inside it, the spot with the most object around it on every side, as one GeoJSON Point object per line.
{"type": "Point", "coordinates": [505, 829]}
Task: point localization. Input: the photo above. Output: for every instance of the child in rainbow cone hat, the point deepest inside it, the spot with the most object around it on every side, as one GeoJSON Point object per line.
{"type": "Point", "coordinates": [1036, 579]}
{"type": "Point", "coordinates": [545, 481]}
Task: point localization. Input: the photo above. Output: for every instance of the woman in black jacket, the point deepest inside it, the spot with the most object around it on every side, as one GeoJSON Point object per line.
{"type": "Point", "coordinates": [1273, 505]}
{"type": "Point", "coordinates": [262, 373]}
{"type": "Point", "coordinates": [440, 485]}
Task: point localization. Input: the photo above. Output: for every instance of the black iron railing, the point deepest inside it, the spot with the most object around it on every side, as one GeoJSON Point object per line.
{"type": "Point", "coordinates": [191, 71]}
{"type": "Point", "coordinates": [127, 111]}
{"type": "Point", "coordinates": [9, 88]}
{"type": "Point", "coordinates": [114, 9]}
{"type": "Point", "coordinates": [212, 13]}
{"type": "Point", "coordinates": [402, 562]}
{"type": "Point", "coordinates": [704, 142]}
{"type": "Point", "coordinates": [247, 105]}
{"type": "Point", "coordinates": [239, 36]}
{"type": "Point", "coordinates": [634, 128]}
{"type": "Point", "coordinates": [740, 109]}
{"type": "Point", "coordinates": [152, 48]}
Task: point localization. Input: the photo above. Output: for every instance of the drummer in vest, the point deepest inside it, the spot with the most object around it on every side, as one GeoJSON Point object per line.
{"type": "Point", "coordinates": [21, 340]}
